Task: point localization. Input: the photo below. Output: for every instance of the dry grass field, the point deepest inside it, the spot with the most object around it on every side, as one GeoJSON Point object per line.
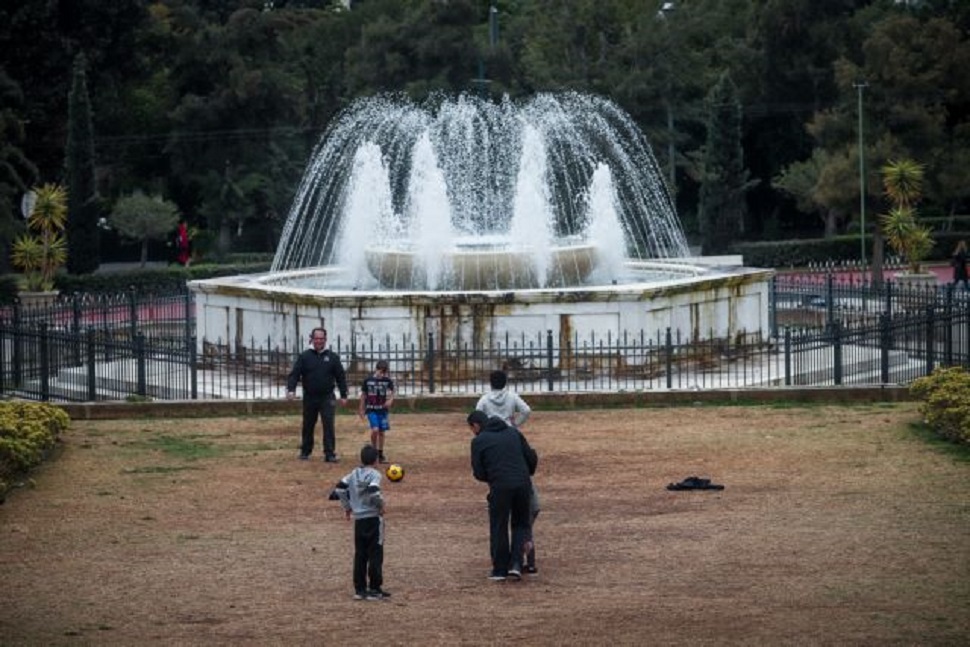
{"type": "Point", "coordinates": [837, 526]}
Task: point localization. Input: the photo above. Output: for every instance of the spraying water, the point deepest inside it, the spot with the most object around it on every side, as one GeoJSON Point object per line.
{"type": "Point", "coordinates": [462, 193]}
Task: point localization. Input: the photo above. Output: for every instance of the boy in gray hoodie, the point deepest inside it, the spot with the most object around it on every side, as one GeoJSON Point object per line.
{"type": "Point", "coordinates": [502, 403]}
{"type": "Point", "coordinates": [360, 495]}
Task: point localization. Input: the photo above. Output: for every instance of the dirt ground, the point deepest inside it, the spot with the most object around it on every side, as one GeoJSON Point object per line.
{"type": "Point", "coordinates": [837, 526]}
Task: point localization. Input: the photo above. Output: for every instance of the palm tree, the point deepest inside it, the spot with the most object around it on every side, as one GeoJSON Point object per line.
{"type": "Point", "coordinates": [902, 182]}
{"type": "Point", "coordinates": [41, 253]}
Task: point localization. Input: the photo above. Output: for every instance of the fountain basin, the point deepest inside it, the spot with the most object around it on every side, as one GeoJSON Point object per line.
{"type": "Point", "coordinates": [281, 309]}
{"type": "Point", "coordinates": [483, 267]}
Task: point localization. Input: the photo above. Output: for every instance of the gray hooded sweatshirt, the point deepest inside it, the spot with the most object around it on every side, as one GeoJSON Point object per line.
{"type": "Point", "coordinates": [360, 492]}
{"type": "Point", "coordinates": [506, 405]}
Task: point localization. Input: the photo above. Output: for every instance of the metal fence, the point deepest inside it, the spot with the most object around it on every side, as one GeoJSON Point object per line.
{"type": "Point", "coordinates": [822, 333]}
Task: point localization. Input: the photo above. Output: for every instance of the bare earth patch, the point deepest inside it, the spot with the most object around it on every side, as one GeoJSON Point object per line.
{"type": "Point", "coordinates": [837, 525]}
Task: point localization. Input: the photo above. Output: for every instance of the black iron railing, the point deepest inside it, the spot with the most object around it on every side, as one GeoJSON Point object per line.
{"type": "Point", "coordinates": [823, 332]}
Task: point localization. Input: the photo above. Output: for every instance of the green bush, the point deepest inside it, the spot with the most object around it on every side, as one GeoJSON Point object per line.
{"type": "Point", "coordinates": [28, 430]}
{"type": "Point", "coordinates": [945, 402]}
{"type": "Point", "coordinates": [165, 280]}
{"type": "Point", "coordinates": [802, 252]}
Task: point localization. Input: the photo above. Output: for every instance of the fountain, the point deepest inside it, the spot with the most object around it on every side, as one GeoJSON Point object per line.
{"type": "Point", "coordinates": [470, 219]}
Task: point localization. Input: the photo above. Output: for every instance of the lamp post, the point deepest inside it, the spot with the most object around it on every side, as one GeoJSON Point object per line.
{"type": "Point", "coordinates": [665, 9]}
{"type": "Point", "coordinates": [860, 87]}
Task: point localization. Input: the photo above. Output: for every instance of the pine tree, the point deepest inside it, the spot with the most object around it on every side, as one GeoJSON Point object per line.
{"type": "Point", "coordinates": [84, 209]}
{"type": "Point", "coordinates": [722, 208]}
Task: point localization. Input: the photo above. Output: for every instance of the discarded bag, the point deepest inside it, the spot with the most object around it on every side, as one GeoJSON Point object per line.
{"type": "Point", "coordinates": [695, 483]}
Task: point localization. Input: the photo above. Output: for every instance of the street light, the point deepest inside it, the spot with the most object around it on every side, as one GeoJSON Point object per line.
{"type": "Point", "coordinates": [860, 86]}
{"type": "Point", "coordinates": [667, 8]}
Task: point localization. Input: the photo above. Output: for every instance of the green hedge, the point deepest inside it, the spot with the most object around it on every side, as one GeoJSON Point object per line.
{"type": "Point", "coordinates": [28, 431]}
{"type": "Point", "coordinates": [150, 280]}
{"type": "Point", "coordinates": [800, 253]}
{"type": "Point", "coordinates": [945, 402]}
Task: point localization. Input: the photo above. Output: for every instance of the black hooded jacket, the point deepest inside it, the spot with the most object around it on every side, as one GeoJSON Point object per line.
{"type": "Point", "coordinates": [501, 456]}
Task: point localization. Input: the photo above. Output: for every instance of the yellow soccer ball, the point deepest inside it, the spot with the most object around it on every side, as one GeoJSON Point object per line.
{"type": "Point", "coordinates": [395, 472]}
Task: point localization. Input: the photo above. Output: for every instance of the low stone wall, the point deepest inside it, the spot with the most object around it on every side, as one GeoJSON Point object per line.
{"type": "Point", "coordinates": [445, 403]}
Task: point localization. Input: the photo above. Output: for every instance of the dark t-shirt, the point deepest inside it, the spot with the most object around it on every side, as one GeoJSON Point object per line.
{"type": "Point", "coordinates": [375, 390]}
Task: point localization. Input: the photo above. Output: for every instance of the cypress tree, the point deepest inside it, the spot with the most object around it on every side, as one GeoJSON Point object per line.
{"type": "Point", "coordinates": [83, 209]}
{"type": "Point", "coordinates": [722, 206]}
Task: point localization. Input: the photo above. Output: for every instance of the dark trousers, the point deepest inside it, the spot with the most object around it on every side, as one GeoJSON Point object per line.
{"type": "Point", "coordinates": [505, 506]}
{"type": "Point", "coordinates": [368, 553]}
{"type": "Point", "coordinates": [324, 409]}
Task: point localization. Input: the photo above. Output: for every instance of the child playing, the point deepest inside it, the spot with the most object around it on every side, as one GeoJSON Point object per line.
{"type": "Point", "coordinates": [360, 495]}
{"type": "Point", "coordinates": [376, 397]}
{"type": "Point", "coordinates": [510, 407]}
{"type": "Point", "coordinates": [503, 403]}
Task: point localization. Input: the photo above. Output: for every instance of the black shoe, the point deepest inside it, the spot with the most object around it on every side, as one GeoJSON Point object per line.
{"type": "Point", "coordinates": [378, 594]}
{"type": "Point", "coordinates": [383, 460]}
{"type": "Point", "coordinates": [515, 573]}
{"type": "Point", "coordinates": [304, 457]}
{"type": "Point", "coordinates": [531, 570]}
{"type": "Point", "coordinates": [332, 458]}
{"type": "Point", "coordinates": [497, 576]}
{"type": "Point", "coordinates": [360, 595]}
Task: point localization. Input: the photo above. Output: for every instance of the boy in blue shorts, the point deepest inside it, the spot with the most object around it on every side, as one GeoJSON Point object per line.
{"type": "Point", "coordinates": [376, 397]}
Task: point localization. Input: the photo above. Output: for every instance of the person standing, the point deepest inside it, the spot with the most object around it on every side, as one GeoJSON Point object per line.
{"type": "Point", "coordinates": [320, 371]}
{"type": "Point", "coordinates": [959, 263]}
{"type": "Point", "coordinates": [502, 457]}
{"type": "Point", "coordinates": [360, 496]}
{"type": "Point", "coordinates": [183, 252]}
{"type": "Point", "coordinates": [510, 407]}
{"type": "Point", "coordinates": [503, 403]}
{"type": "Point", "coordinates": [376, 397]}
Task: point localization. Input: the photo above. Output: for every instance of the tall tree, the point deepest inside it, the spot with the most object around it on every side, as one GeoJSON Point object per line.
{"type": "Point", "coordinates": [724, 180]}
{"type": "Point", "coordinates": [17, 172]}
{"type": "Point", "coordinates": [83, 210]}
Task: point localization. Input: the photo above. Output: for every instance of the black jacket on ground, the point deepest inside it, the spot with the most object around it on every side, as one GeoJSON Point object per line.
{"type": "Point", "coordinates": [501, 456]}
{"type": "Point", "coordinates": [319, 373]}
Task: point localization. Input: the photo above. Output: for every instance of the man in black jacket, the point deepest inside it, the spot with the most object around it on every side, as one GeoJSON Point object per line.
{"type": "Point", "coordinates": [320, 371]}
{"type": "Point", "coordinates": [502, 457]}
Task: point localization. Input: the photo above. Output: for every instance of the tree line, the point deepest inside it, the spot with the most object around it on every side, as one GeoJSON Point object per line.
{"type": "Point", "coordinates": [770, 118]}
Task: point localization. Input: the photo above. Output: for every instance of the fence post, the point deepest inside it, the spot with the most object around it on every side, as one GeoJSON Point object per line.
{"type": "Point", "coordinates": [930, 339]}
{"type": "Point", "coordinates": [885, 341]}
{"type": "Point", "coordinates": [142, 388]}
{"type": "Point", "coordinates": [45, 366]}
{"type": "Point", "coordinates": [193, 368]}
{"type": "Point", "coordinates": [430, 362]}
{"type": "Point", "coordinates": [132, 313]}
{"type": "Point", "coordinates": [18, 348]}
{"type": "Point", "coordinates": [889, 297]}
{"type": "Point", "coordinates": [948, 326]}
{"type": "Point", "coordinates": [669, 360]}
{"type": "Point", "coordinates": [837, 352]}
{"type": "Point", "coordinates": [549, 368]}
{"type": "Point", "coordinates": [787, 356]}
{"type": "Point", "coordinates": [773, 307]}
{"type": "Point", "coordinates": [965, 343]}
{"type": "Point", "coordinates": [829, 299]}
{"type": "Point", "coordinates": [92, 373]}
{"type": "Point", "coordinates": [188, 316]}
{"type": "Point", "coordinates": [76, 326]}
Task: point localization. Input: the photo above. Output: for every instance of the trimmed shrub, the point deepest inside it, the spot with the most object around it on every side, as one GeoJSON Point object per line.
{"type": "Point", "coordinates": [28, 431]}
{"type": "Point", "coordinates": [945, 402]}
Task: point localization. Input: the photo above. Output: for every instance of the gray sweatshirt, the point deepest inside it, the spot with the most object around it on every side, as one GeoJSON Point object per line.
{"type": "Point", "coordinates": [360, 492]}
{"type": "Point", "coordinates": [506, 405]}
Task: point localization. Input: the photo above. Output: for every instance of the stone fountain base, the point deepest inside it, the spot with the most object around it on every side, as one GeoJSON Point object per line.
{"type": "Point", "coordinates": [243, 311]}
